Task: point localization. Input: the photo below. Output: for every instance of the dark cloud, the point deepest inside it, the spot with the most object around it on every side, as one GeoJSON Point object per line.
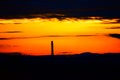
{"type": "Point", "coordinates": [5, 38]}
{"type": "Point", "coordinates": [1, 23]}
{"type": "Point", "coordinates": [84, 35]}
{"type": "Point", "coordinates": [10, 23]}
{"type": "Point", "coordinates": [66, 35]}
{"type": "Point", "coordinates": [17, 23]}
{"type": "Point", "coordinates": [113, 28]}
{"type": "Point", "coordinates": [115, 36]}
{"type": "Point", "coordinates": [7, 46]}
{"type": "Point", "coordinates": [111, 35]}
{"type": "Point", "coordinates": [70, 8]}
{"type": "Point", "coordinates": [45, 36]}
{"type": "Point", "coordinates": [12, 32]}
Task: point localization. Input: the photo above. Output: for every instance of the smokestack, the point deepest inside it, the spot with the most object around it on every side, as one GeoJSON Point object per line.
{"type": "Point", "coordinates": [52, 48]}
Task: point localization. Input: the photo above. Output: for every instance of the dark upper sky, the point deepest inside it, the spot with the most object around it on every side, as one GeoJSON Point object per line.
{"type": "Point", "coordinates": [70, 8]}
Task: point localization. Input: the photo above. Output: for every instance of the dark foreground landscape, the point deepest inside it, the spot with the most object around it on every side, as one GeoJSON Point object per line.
{"type": "Point", "coordinates": [82, 66]}
{"type": "Point", "coordinates": [84, 58]}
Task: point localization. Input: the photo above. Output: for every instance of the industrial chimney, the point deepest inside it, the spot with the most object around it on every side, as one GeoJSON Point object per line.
{"type": "Point", "coordinates": [52, 48]}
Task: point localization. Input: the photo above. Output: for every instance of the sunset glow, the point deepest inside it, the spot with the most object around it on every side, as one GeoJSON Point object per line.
{"type": "Point", "coordinates": [70, 35]}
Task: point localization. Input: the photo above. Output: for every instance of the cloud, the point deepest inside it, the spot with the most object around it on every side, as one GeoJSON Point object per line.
{"type": "Point", "coordinates": [17, 23]}
{"type": "Point", "coordinates": [10, 23]}
{"type": "Point", "coordinates": [70, 8]}
{"type": "Point", "coordinates": [66, 35]}
{"type": "Point", "coordinates": [9, 38]}
{"type": "Point", "coordinates": [48, 15]}
{"type": "Point", "coordinates": [115, 36]}
{"type": "Point", "coordinates": [5, 38]}
{"type": "Point", "coordinates": [110, 35]}
{"type": "Point", "coordinates": [113, 27]}
{"type": "Point", "coordinates": [84, 35]}
{"type": "Point", "coordinates": [1, 23]}
{"type": "Point", "coordinates": [7, 46]}
{"type": "Point", "coordinates": [12, 32]}
{"type": "Point", "coordinates": [110, 21]}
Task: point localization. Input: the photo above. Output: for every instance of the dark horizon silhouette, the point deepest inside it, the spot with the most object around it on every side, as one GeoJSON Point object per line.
{"type": "Point", "coordinates": [82, 58]}
{"type": "Point", "coordinates": [81, 66]}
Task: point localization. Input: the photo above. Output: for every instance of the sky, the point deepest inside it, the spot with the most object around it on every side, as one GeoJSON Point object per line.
{"type": "Point", "coordinates": [68, 8]}
{"type": "Point", "coordinates": [76, 26]}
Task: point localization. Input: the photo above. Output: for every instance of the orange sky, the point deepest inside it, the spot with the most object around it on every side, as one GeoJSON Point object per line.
{"type": "Point", "coordinates": [36, 27]}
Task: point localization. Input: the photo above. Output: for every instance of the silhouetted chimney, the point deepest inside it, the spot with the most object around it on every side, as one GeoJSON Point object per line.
{"type": "Point", "coordinates": [52, 48]}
